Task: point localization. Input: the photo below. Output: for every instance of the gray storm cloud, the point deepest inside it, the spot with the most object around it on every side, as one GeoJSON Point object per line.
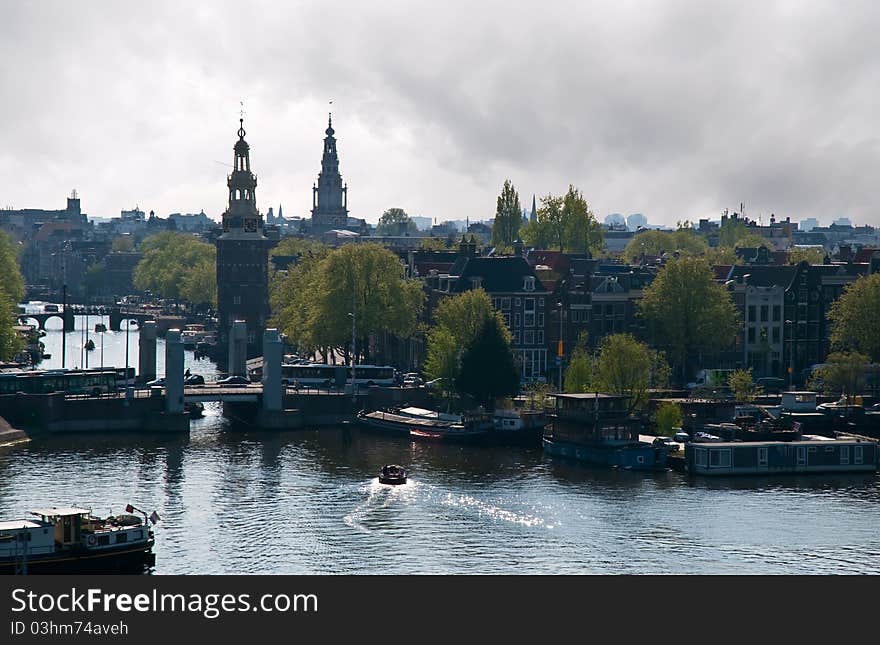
{"type": "Point", "coordinates": [674, 109]}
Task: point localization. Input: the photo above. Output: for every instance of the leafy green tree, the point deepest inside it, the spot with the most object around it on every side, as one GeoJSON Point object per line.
{"type": "Point", "coordinates": [653, 243]}
{"type": "Point", "coordinates": [10, 272]}
{"type": "Point", "coordinates": [627, 367]}
{"type": "Point", "coordinates": [200, 284]}
{"type": "Point", "coordinates": [578, 377]}
{"type": "Point", "coordinates": [722, 255]}
{"type": "Point", "coordinates": [806, 254]}
{"type": "Point", "coordinates": [487, 368]}
{"type": "Point", "coordinates": [442, 361]}
{"type": "Point", "coordinates": [567, 223]}
{"type": "Point", "coordinates": [432, 244]}
{"type": "Point", "coordinates": [95, 279]}
{"type": "Point", "coordinates": [393, 220]}
{"type": "Point", "coordinates": [843, 373]}
{"type": "Point", "coordinates": [735, 233]}
{"type": "Point", "coordinates": [168, 258]}
{"type": "Point", "coordinates": [297, 246]}
{"type": "Point", "coordinates": [688, 313]}
{"type": "Point", "coordinates": [855, 315]}
{"type": "Point", "coordinates": [668, 418]}
{"type": "Point", "coordinates": [465, 314]}
{"type": "Point", "coordinates": [508, 216]}
{"type": "Point", "coordinates": [122, 243]}
{"type": "Point", "coordinates": [743, 385]}
{"type": "Point", "coordinates": [313, 302]}
{"type": "Point", "coordinates": [10, 342]}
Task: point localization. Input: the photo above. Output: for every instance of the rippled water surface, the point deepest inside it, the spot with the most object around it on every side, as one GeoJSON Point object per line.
{"type": "Point", "coordinates": [235, 501]}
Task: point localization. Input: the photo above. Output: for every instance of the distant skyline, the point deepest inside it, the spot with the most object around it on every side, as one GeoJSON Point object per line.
{"type": "Point", "coordinates": [673, 109]}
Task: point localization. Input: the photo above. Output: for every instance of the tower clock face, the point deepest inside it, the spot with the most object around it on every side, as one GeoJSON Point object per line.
{"type": "Point", "coordinates": [250, 225]}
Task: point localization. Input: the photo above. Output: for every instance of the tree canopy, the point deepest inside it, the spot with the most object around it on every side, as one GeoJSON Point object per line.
{"type": "Point", "coordinates": [854, 317]}
{"type": "Point", "coordinates": [734, 233]}
{"type": "Point", "coordinates": [688, 313]}
{"type": "Point", "coordinates": [567, 223]}
{"type": "Point", "coordinates": [654, 243]}
{"type": "Point", "coordinates": [811, 255]}
{"type": "Point", "coordinates": [11, 293]}
{"type": "Point", "coordinates": [743, 385]}
{"type": "Point", "coordinates": [627, 367]}
{"type": "Point", "coordinates": [313, 302]}
{"type": "Point", "coordinates": [843, 373]}
{"type": "Point", "coordinates": [395, 221]}
{"type": "Point", "coordinates": [169, 259]}
{"type": "Point", "coordinates": [508, 216]}
{"type": "Point", "coordinates": [487, 369]}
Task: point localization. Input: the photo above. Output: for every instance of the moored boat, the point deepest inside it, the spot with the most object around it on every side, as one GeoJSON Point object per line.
{"type": "Point", "coordinates": [419, 423]}
{"type": "Point", "coordinates": [518, 426]}
{"type": "Point", "coordinates": [73, 540]}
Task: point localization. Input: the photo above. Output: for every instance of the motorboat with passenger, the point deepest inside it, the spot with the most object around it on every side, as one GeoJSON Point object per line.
{"type": "Point", "coordinates": [392, 474]}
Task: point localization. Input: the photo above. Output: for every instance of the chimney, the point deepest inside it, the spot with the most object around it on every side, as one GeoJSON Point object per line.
{"type": "Point", "coordinates": [518, 248]}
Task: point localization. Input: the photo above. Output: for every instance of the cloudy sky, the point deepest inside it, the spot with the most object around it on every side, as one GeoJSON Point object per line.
{"type": "Point", "coordinates": [673, 109]}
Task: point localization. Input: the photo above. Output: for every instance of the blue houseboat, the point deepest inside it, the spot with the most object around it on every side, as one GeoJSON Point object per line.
{"type": "Point", "coordinates": [841, 455]}
{"type": "Point", "coordinates": [597, 429]}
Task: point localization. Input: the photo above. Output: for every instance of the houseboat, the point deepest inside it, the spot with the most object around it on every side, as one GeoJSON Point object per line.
{"type": "Point", "coordinates": [422, 424]}
{"type": "Point", "coordinates": [812, 455]}
{"type": "Point", "coordinates": [511, 425]}
{"type": "Point", "coordinates": [597, 429]}
{"type": "Point", "coordinates": [72, 540]}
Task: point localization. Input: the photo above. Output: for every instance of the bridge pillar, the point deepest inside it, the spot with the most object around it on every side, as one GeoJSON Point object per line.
{"type": "Point", "coordinates": [147, 352]}
{"type": "Point", "coordinates": [238, 348]}
{"type": "Point", "coordinates": [173, 372]}
{"type": "Point", "coordinates": [272, 355]}
{"type": "Point", "coordinates": [116, 318]}
{"type": "Point", "coordinates": [68, 320]}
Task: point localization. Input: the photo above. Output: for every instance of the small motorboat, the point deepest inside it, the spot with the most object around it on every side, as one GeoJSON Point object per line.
{"type": "Point", "coordinates": [90, 345]}
{"type": "Point", "coordinates": [392, 474]}
{"type": "Point", "coordinates": [100, 328]}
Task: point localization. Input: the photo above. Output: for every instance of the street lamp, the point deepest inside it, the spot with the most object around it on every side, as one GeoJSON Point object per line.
{"type": "Point", "coordinates": [353, 355]}
{"type": "Point", "coordinates": [790, 324]}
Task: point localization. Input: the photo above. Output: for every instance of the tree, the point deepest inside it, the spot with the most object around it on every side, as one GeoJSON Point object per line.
{"type": "Point", "coordinates": [443, 357]}
{"type": "Point", "coordinates": [200, 284]}
{"type": "Point", "coordinates": [668, 418]}
{"type": "Point", "coordinates": [810, 255]}
{"type": "Point", "coordinates": [688, 313]}
{"type": "Point", "coordinates": [313, 302]}
{"type": "Point", "coordinates": [508, 216]}
{"type": "Point", "coordinates": [10, 342]}
{"type": "Point", "coordinates": [297, 246]}
{"type": "Point", "coordinates": [743, 385]}
{"type": "Point", "coordinates": [465, 314]}
{"type": "Point", "coordinates": [843, 373]}
{"type": "Point", "coordinates": [122, 244]}
{"type": "Point", "coordinates": [395, 221]}
{"type": "Point", "coordinates": [654, 243]}
{"type": "Point", "coordinates": [627, 367]}
{"type": "Point", "coordinates": [487, 369]}
{"type": "Point", "coordinates": [10, 272]}
{"type": "Point", "coordinates": [168, 258]}
{"type": "Point", "coordinates": [854, 317]}
{"type": "Point", "coordinates": [578, 376]}
{"type": "Point", "coordinates": [432, 244]}
{"type": "Point", "coordinates": [735, 233]}
{"type": "Point", "coordinates": [567, 223]}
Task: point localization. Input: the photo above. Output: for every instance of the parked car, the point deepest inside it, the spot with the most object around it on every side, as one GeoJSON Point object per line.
{"type": "Point", "coordinates": [706, 437]}
{"type": "Point", "coordinates": [412, 379]}
{"type": "Point", "coordinates": [666, 442]}
{"type": "Point", "coordinates": [681, 437]}
{"type": "Point", "coordinates": [875, 407]}
{"type": "Point", "coordinates": [233, 381]}
{"type": "Point", "coordinates": [194, 379]}
{"type": "Point", "coordinates": [159, 382]}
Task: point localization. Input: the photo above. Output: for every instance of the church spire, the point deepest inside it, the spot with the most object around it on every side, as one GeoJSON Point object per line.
{"type": "Point", "coordinates": [241, 213]}
{"type": "Point", "coordinates": [534, 214]}
{"type": "Point", "coordinates": [329, 196]}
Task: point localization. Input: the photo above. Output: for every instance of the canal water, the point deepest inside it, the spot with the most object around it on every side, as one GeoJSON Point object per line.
{"type": "Point", "coordinates": [240, 501]}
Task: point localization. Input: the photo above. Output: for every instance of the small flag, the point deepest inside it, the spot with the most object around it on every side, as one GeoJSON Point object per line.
{"type": "Point", "coordinates": [154, 517]}
{"type": "Point", "coordinates": [129, 508]}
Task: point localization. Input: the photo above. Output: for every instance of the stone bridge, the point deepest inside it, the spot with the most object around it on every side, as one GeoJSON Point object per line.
{"type": "Point", "coordinates": [137, 317]}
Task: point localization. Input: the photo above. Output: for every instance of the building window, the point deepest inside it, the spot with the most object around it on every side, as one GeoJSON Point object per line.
{"type": "Point", "coordinates": [751, 317]}
{"type": "Point", "coordinates": [516, 321]}
{"type": "Point", "coordinates": [236, 300]}
{"type": "Point", "coordinates": [541, 321]}
{"type": "Point", "coordinates": [776, 334]}
{"type": "Point", "coordinates": [540, 302]}
{"type": "Point", "coordinates": [530, 318]}
{"type": "Point", "coordinates": [530, 304]}
{"type": "Point", "coordinates": [540, 336]}
{"type": "Point", "coordinates": [765, 311]}
{"type": "Point", "coordinates": [529, 337]}
{"type": "Point", "coordinates": [857, 455]}
{"type": "Point", "coordinates": [505, 303]}
{"type": "Point", "coordinates": [575, 315]}
{"type": "Point", "coordinates": [507, 320]}
{"type": "Point", "coordinates": [751, 335]}
{"type": "Point", "coordinates": [844, 455]}
{"type": "Point", "coordinates": [529, 283]}
{"type": "Point", "coordinates": [516, 338]}
{"type": "Point", "coordinates": [121, 537]}
{"type": "Point", "coordinates": [516, 302]}
{"type": "Point", "coordinates": [777, 313]}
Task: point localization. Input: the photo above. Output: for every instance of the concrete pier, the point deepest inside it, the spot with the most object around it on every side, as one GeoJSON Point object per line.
{"type": "Point", "coordinates": [147, 352]}
{"type": "Point", "coordinates": [173, 372]}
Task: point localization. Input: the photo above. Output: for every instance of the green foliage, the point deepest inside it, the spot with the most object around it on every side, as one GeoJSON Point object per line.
{"type": "Point", "coordinates": [843, 373]}
{"type": "Point", "coordinates": [743, 385]}
{"type": "Point", "coordinates": [10, 342]}
{"type": "Point", "coordinates": [537, 395]}
{"type": "Point", "coordinates": [508, 216]}
{"type": "Point", "coordinates": [735, 233]}
{"type": "Point", "coordinates": [168, 259]}
{"type": "Point", "coordinates": [578, 377]}
{"type": "Point", "coordinates": [296, 246]}
{"type": "Point", "coordinates": [487, 369]}
{"type": "Point", "coordinates": [668, 418]}
{"type": "Point", "coordinates": [122, 244]}
{"type": "Point", "coordinates": [443, 357]}
{"type": "Point", "coordinates": [809, 255]}
{"type": "Point", "coordinates": [723, 255]}
{"type": "Point", "coordinates": [688, 313]}
{"type": "Point", "coordinates": [199, 285]}
{"type": "Point", "coordinates": [391, 221]}
{"type": "Point", "coordinates": [10, 272]}
{"type": "Point", "coordinates": [567, 223]}
{"type": "Point", "coordinates": [95, 279]}
{"type": "Point", "coordinates": [432, 244]}
{"type": "Point", "coordinates": [313, 302]}
{"type": "Point", "coordinates": [855, 315]}
{"type": "Point", "coordinates": [627, 367]}
{"type": "Point", "coordinates": [654, 243]}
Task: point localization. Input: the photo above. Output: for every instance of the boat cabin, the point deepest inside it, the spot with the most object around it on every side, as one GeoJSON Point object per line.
{"type": "Point", "coordinates": [766, 457]}
{"type": "Point", "coordinates": [32, 537]}
{"type": "Point", "coordinates": [589, 417]}
{"type": "Point", "coordinates": [799, 401]}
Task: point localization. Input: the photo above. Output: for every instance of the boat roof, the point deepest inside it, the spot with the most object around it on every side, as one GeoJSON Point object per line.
{"type": "Point", "coordinates": [13, 525]}
{"type": "Point", "coordinates": [58, 511]}
{"type": "Point", "coordinates": [749, 444]}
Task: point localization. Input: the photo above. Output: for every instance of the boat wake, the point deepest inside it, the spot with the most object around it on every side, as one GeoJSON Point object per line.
{"type": "Point", "coordinates": [379, 497]}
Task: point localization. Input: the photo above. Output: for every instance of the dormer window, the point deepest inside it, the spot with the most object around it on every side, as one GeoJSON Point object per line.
{"type": "Point", "coordinates": [529, 283]}
{"type": "Point", "coordinates": [476, 283]}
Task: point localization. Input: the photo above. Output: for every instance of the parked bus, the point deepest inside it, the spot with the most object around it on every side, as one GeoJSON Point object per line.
{"type": "Point", "coordinates": [91, 382]}
{"type": "Point", "coordinates": [317, 375]}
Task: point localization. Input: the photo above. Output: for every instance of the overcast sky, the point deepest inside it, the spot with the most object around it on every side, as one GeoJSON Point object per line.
{"type": "Point", "coordinates": [673, 109]}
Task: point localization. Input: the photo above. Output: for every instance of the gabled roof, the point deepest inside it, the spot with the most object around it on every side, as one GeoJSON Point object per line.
{"type": "Point", "coordinates": [499, 274]}
{"type": "Point", "coordinates": [765, 275]}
